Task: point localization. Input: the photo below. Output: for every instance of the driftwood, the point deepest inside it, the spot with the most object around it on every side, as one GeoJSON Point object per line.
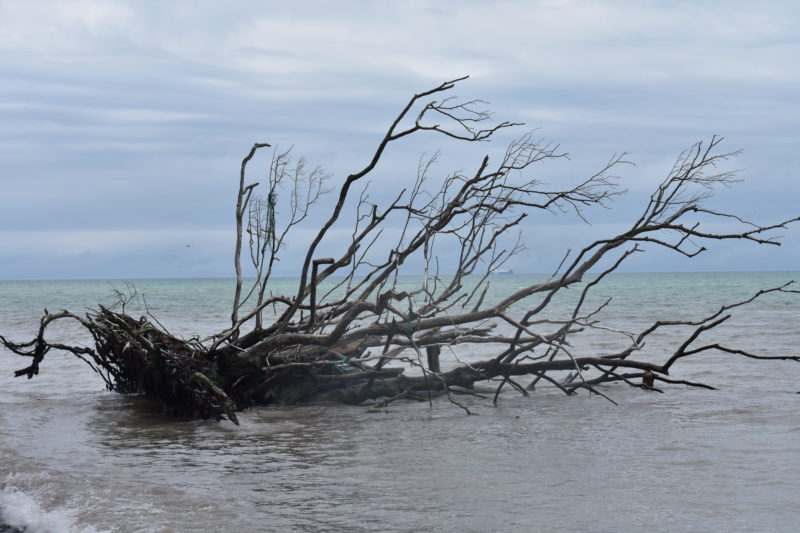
{"type": "Point", "coordinates": [344, 345]}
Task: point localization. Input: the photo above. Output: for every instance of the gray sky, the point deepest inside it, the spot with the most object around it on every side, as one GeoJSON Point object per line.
{"type": "Point", "coordinates": [123, 124]}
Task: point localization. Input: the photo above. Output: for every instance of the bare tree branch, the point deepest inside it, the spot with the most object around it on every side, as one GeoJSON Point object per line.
{"type": "Point", "coordinates": [355, 329]}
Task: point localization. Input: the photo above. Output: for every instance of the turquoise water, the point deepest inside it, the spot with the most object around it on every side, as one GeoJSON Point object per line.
{"type": "Point", "coordinates": [76, 458]}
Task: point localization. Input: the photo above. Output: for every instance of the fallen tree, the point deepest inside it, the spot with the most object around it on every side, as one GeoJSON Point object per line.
{"type": "Point", "coordinates": [367, 338]}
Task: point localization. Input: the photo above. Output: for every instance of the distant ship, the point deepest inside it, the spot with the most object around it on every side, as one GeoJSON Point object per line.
{"type": "Point", "coordinates": [498, 271]}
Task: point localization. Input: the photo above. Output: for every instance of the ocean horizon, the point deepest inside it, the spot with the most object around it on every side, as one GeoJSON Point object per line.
{"type": "Point", "coordinates": [337, 276]}
{"type": "Point", "coordinates": [74, 457]}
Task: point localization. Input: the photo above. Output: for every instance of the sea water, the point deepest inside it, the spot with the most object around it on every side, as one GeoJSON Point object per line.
{"type": "Point", "coordinates": [74, 457]}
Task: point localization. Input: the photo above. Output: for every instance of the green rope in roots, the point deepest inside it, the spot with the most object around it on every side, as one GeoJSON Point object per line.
{"type": "Point", "coordinates": [341, 366]}
{"type": "Point", "coordinates": [412, 320]}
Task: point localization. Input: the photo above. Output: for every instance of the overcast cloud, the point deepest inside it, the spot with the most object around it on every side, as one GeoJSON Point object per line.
{"type": "Point", "coordinates": [122, 124]}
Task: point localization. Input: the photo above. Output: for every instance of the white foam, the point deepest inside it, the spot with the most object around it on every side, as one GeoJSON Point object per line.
{"type": "Point", "coordinates": [22, 511]}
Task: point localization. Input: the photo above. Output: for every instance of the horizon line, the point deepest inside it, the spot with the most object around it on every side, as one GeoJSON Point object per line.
{"type": "Point", "coordinates": [515, 274]}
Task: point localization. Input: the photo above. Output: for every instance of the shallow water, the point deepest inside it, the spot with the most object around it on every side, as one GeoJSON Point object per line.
{"type": "Point", "coordinates": [76, 458]}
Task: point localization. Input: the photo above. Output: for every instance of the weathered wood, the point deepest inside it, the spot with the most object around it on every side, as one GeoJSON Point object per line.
{"type": "Point", "coordinates": [433, 357]}
{"type": "Point", "coordinates": [353, 343]}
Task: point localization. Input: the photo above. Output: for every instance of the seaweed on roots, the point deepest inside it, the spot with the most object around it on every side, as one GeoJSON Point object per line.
{"type": "Point", "coordinates": [351, 330]}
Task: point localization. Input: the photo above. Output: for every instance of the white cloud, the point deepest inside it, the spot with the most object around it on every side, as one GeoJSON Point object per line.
{"type": "Point", "coordinates": [59, 28]}
{"type": "Point", "coordinates": [111, 242]}
{"type": "Point", "coordinates": [112, 110]}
